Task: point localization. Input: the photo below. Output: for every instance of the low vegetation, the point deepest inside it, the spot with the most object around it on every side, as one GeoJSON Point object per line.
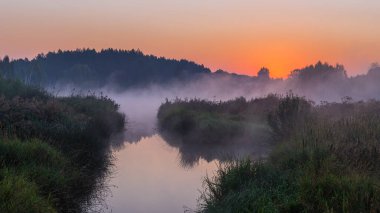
{"type": "Point", "coordinates": [206, 129]}
{"type": "Point", "coordinates": [54, 151]}
{"type": "Point", "coordinates": [325, 158]}
{"type": "Point", "coordinates": [213, 122]}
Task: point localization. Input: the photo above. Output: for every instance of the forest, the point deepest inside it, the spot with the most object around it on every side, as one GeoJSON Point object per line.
{"type": "Point", "coordinates": [120, 70]}
{"type": "Point", "coordinates": [88, 68]}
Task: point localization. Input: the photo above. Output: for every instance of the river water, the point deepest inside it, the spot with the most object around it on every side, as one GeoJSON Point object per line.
{"type": "Point", "coordinates": [150, 175]}
{"type": "Point", "coordinates": [149, 178]}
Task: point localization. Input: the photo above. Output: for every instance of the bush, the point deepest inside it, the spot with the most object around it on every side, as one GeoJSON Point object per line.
{"type": "Point", "coordinates": [58, 146]}
{"type": "Point", "coordinates": [327, 161]}
{"type": "Point", "coordinates": [20, 195]}
{"type": "Point", "coordinates": [43, 167]}
{"type": "Point", "coordinates": [291, 114]}
{"type": "Point", "coordinates": [202, 121]}
{"type": "Point", "coordinates": [206, 129]}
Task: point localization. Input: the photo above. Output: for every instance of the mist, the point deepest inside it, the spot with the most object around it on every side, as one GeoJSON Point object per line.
{"type": "Point", "coordinates": [141, 104]}
{"type": "Point", "coordinates": [318, 83]}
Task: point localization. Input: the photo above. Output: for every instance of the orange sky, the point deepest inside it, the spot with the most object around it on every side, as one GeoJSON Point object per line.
{"type": "Point", "coordinates": [239, 36]}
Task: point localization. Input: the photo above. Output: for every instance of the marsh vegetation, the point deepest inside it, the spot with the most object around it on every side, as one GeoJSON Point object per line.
{"type": "Point", "coordinates": [54, 151]}
{"type": "Point", "coordinates": [324, 156]}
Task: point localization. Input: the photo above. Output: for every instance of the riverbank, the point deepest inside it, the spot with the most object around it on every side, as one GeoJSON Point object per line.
{"type": "Point", "coordinates": [325, 159]}
{"type": "Point", "coordinates": [54, 151]}
{"type": "Point", "coordinates": [216, 130]}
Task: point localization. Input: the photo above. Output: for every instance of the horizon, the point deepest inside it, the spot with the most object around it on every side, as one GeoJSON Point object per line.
{"type": "Point", "coordinates": [252, 74]}
{"type": "Point", "coordinates": [203, 106]}
{"type": "Point", "coordinates": [239, 37]}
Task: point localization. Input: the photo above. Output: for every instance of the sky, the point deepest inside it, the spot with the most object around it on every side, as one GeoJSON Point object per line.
{"type": "Point", "coordinates": [235, 35]}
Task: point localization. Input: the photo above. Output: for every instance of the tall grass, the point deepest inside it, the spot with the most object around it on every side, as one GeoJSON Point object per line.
{"type": "Point", "coordinates": [208, 129]}
{"type": "Point", "coordinates": [57, 147]}
{"type": "Point", "coordinates": [20, 195]}
{"type": "Point", "coordinates": [214, 122]}
{"type": "Point", "coordinates": [326, 160]}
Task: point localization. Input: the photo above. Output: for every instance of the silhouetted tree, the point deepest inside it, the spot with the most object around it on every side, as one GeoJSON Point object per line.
{"type": "Point", "coordinates": [263, 73]}
{"type": "Point", "coordinates": [6, 68]}
{"type": "Point", "coordinates": [121, 67]}
{"type": "Point", "coordinates": [319, 71]}
{"type": "Point", "coordinates": [374, 70]}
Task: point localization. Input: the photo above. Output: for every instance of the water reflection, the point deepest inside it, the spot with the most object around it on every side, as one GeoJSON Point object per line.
{"type": "Point", "coordinates": [139, 130]}
{"type": "Point", "coordinates": [155, 173]}
{"type": "Point", "coordinates": [191, 155]}
{"type": "Point", "coordinates": [190, 152]}
{"type": "Point", "coordinates": [149, 178]}
{"type": "Point", "coordinates": [192, 149]}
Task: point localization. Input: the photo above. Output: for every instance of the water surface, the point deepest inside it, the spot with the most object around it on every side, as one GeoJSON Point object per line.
{"type": "Point", "coordinates": [150, 174]}
{"type": "Point", "coordinates": [149, 178]}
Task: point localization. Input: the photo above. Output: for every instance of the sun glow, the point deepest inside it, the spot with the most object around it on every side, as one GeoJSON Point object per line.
{"type": "Point", "coordinates": [238, 36]}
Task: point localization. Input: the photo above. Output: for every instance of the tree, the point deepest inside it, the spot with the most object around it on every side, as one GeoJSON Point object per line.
{"type": "Point", "coordinates": [320, 72]}
{"type": "Point", "coordinates": [263, 73]}
{"type": "Point", "coordinates": [6, 68]}
{"type": "Point", "coordinates": [374, 70]}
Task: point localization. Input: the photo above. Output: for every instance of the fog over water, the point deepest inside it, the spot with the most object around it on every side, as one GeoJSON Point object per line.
{"type": "Point", "coordinates": [150, 175]}
{"type": "Point", "coordinates": [141, 104]}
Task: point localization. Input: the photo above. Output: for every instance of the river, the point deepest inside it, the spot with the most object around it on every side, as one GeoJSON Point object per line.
{"type": "Point", "coordinates": [149, 178]}
{"type": "Point", "coordinates": [149, 175]}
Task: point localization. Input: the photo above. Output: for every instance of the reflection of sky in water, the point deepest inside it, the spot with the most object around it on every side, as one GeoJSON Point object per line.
{"type": "Point", "coordinates": [149, 175]}
{"type": "Point", "coordinates": [149, 178]}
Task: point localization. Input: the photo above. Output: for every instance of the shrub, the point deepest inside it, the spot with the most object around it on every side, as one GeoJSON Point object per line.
{"type": "Point", "coordinates": [57, 146]}
{"type": "Point", "coordinates": [327, 161]}
{"type": "Point", "coordinates": [20, 195]}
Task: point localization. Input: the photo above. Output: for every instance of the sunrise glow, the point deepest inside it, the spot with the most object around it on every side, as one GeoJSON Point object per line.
{"type": "Point", "coordinates": [237, 36]}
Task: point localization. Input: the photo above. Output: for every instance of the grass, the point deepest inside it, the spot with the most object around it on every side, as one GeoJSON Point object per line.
{"type": "Point", "coordinates": [205, 129]}
{"type": "Point", "coordinates": [20, 195]}
{"type": "Point", "coordinates": [40, 173]}
{"type": "Point", "coordinates": [54, 149]}
{"type": "Point", "coordinates": [324, 157]}
{"type": "Point", "coordinates": [215, 123]}
{"type": "Point", "coordinates": [239, 109]}
{"type": "Point", "coordinates": [325, 160]}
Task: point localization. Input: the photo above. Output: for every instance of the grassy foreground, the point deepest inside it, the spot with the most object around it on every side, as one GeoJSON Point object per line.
{"type": "Point", "coordinates": [326, 159]}
{"type": "Point", "coordinates": [54, 152]}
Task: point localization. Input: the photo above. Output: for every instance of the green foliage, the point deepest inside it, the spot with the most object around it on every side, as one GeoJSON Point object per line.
{"type": "Point", "coordinates": [12, 88]}
{"type": "Point", "coordinates": [17, 153]}
{"type": "Point", "coordinates": [44, 167]}
{"type": "Point", "coordinates": [56, 146]}
{"type": "Point", "coordinates": [247, 186]}
{"type": "Point", "coordinates": [291, 114]}
{"type": "Point", "coordinates": [327, 162]}
{"type": "Point", "coordinates": [20, 195]}
{"type": "Point", "coordinates": [201, 121]}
